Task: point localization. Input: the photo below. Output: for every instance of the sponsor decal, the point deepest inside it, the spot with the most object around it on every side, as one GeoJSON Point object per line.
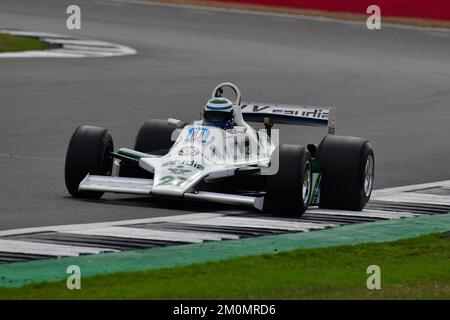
{"type": "Point", "coordinates": [171, 181]}
{"type": "Point", "coordinates": [179, 170]}
{"type": "Point", "coordinates": [188, 151]}
{"type": "Point", "coordinates": [197, 135]}
{"type": "Point", "coordinates": [190, 163]}
{"type": "Point", "coordinates": [299, 111]}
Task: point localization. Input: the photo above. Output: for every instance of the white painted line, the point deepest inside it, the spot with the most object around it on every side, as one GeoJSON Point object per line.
{"type": "Point", "coordinates": [411, 194]}
{"type": "Point", "coordinates": [70, 47]}
{"type": "Point", "coordinates": [48, 249]}
{"type": "Point", "coordinates": [41, 54]}
{"type": "Point", "coordinates": [378, 194]}
{"type": "Point", "coordinates": [411, 197]}
{"type": "Point", "coordinates": [148, 234]}
{"type": "Point", "coordinates": [70, 227]}
{"type": "Point", "coordinates": [89, 49]}
{"type": "Point", "coordinates": [366, 213]}
{"type": "Point", "coordinates": [33, 33]}
{"type": "Point", "coordinates": [257, 223]}
{"type": "Point", "coordinates": [80, 42]}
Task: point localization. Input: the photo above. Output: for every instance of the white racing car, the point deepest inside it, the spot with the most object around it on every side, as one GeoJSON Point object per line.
{"type": "Point", "coordinates": [222, 159]}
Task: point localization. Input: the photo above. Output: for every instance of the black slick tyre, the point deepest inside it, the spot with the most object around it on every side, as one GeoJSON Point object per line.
{"type": "Point", "coordinates": [288, 191]}
{"type": "Point", "coordinates": [348, 167]}
{"type": "Point", "coordinates": [88, 153]}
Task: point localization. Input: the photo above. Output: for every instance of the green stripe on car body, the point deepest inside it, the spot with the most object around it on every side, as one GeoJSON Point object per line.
{"type": "Point", "coordinates": [138, 155]}
{"type": "Point", "coordinates": [314, 189]}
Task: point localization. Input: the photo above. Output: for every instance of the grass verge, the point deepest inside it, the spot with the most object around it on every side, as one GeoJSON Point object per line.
{"type": "Point", "coordinates": [9, 43]}
{"type": "Point", "coordinates": [415, 268]}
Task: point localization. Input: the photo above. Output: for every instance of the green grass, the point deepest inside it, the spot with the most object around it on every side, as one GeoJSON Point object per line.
{"type": "Point", "coordinates": [416, 268]}
{"type": "Point", "coordinates": [9, 43]}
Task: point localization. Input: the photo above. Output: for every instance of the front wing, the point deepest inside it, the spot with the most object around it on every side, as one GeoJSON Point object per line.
{"type": "Point", "coordinates": [144, 187]}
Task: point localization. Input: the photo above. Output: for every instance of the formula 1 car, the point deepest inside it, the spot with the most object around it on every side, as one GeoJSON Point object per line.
{"type": "Point", "coordinates": [241, 166]}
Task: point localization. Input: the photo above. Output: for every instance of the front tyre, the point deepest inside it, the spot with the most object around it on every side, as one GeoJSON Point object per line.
{"type": "Point", "coordinates": [88, 152]}
{"type": "Point", "coordinates": [348, 167]}
{"type": "Point", "coordinates": [288, 191]}
{"type": "Point", "coordinates": [155, 136]}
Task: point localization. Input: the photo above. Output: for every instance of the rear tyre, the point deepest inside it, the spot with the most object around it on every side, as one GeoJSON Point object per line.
{"type": "Point", "coordinates": [348, 167]}
{"type": "Point", "coordinates": [155, 136]}
{"type": "Point", "coordinates": [289, 190]}
{"type": "Point", "coordinates": [88, 152]}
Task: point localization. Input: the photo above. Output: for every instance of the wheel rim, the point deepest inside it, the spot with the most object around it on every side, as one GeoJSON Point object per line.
{"type": "Point", "coordinates": [368, 176]}
{"type": "Point", "coordinates": [306, 187]}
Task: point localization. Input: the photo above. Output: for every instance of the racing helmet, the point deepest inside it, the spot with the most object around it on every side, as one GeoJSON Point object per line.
{"type": "Point", "coordinates": [218, 112]}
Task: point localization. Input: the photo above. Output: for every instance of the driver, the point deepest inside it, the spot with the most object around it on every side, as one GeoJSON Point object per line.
{"type": "Point", "coordinates": [218, 112]}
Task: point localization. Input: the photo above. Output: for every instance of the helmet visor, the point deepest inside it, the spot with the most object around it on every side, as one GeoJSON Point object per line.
{"type": "Point", "coordinates": [217, 117]}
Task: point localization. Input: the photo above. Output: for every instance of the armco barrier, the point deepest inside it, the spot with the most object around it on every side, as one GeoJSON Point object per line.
{"type": "Point", "coordinates": [427, 9]}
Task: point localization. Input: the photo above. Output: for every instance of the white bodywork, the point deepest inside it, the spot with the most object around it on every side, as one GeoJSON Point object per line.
{"type": "Point", "coordinates": [206, 153]}
{"type": "Point", "coordinates": [199, 152]}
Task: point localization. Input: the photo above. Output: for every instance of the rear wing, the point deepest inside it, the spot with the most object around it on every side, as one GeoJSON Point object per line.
{"type": "Point", "coordinates": [270, 114]}
{"type": "Point", "coordinates": [290, 114]}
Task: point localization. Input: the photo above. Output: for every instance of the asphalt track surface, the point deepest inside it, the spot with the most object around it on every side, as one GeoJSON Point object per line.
{"type": "Point", "coordinates": [390, 86]}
